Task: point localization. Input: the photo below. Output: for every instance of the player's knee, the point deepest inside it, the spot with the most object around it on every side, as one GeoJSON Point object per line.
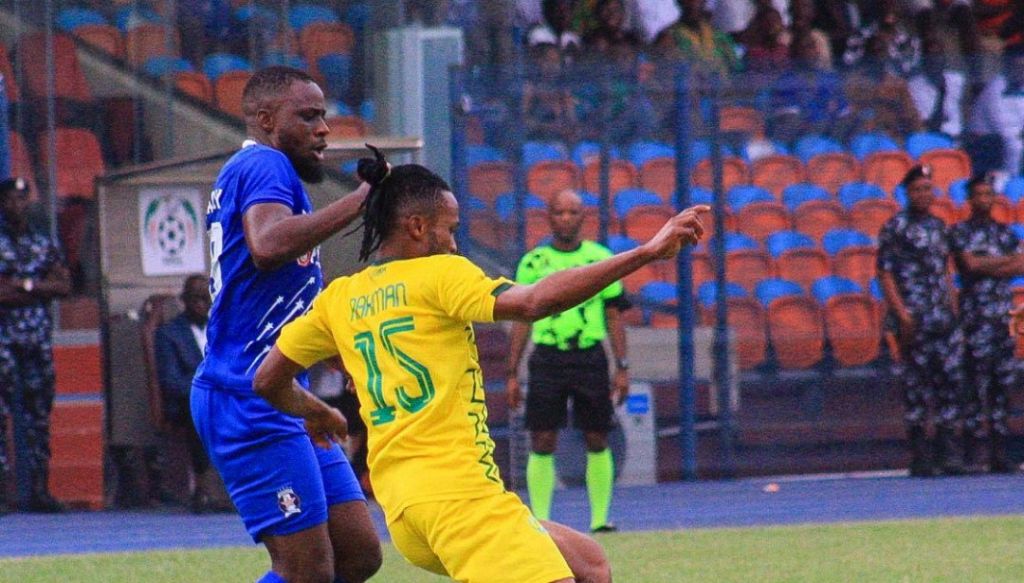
{"type": "Point", "coordinates": [595, 568]}
{"type": "Point", "coordinates": [361, 566]}
{"type": "Point", "coordinates": [319, 572]}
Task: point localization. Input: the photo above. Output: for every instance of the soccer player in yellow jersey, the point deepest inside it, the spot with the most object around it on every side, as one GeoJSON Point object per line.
{"type": "Point", "coordinates": [403, 329]}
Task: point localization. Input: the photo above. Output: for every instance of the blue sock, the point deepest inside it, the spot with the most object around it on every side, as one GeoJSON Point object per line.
{"type": "Point", "coordinates": [271, 577]}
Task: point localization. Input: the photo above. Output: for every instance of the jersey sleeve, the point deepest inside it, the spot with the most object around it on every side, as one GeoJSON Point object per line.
{"type": "Point", "coordinates": [465, 293]}
{"type": "Point", "coordinates": [268, 179]}
{"type": "Point", "coordinates": [307, 339]}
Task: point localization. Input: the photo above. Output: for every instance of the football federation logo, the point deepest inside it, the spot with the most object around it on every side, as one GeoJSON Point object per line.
{"type": "Point", "coordinates": [288, 501]}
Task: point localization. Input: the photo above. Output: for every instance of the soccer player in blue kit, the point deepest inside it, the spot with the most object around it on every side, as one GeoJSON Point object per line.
{"type": "Point", "coordinates": [300, 499]}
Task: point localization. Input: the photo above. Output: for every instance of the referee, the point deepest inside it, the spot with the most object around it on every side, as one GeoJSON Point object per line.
{"type": "Point", "coordinates": [569, 362]}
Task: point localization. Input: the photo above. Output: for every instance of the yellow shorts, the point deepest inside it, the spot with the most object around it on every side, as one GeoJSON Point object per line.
{"type": "Point", "coordinates": [492, 539]}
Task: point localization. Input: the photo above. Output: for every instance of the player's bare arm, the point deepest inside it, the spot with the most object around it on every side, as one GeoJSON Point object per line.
{"type": "Point", "coordinates": [275, 382]}
{"type": "Point", "coordinates": [565, 289]}
{"type": "Point", "coordinates": [519, 334]}
{"type": "Point", "coordinates": [617, 339]}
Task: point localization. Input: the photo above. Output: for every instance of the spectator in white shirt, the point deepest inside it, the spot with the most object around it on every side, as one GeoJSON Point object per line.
{"type": "Point", "coordinates": [938, 91]}
{"type": "Point", "coordinates": [649, 17]}
{"type": "Point", "coordinates": [999, 112]}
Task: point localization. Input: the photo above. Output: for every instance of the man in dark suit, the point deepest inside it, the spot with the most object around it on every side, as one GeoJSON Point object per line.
{"type": "Point", "coordinates": [179, 345]}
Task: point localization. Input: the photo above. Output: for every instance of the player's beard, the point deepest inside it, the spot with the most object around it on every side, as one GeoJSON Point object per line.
{"type": "Point", "coordinates": [310, 171]}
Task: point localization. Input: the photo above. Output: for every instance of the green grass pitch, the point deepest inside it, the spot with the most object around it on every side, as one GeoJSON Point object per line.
{"type": "Point", "coordinates": [974, 549]}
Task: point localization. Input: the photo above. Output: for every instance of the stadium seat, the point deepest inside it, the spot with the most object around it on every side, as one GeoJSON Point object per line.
{"type": "Point", "coordinates": [195, 84]}
{"type": "Point", "coordinates": [538, 227]}
{"type": "Point", "coordinates": [866, 144]}
{"type": "Point", "coordinates": [810, 146]}
{"type": "Point", "coordinates": [130, 17]}
{"type": "Point", "coordinates": [216, 64]}
{"type": "Point", "coordinates": [534, 152]}
{"type": "Point", "coordinates": [749, 323]}
{"type": "Point", "coordinates": [921, 142]}
{"type": "Point", "coordinates": [795, 195]}
{"type": "Point", "coordinates": [868, 216]}
{"type": "Point", "coordinates": [948, 165]}
{"type": "Point", "coordinates": [700, 195]}
{"type": "Point", "coordinates": [853, 192]}
{"type": "Point", "coordinates": [1014, 189]}
{"type": "Point", "coordinates": [644, 221]}
{"type": "Point", "coordinates": [707, 292]}
{"type": "Point", "coordinates": [741, 195]}
{"type": "Point", "coordinates": [758, 220]}
{"type": "Point", "coordinates": [255, 15]}
{"type": "Point", "coordinates": [620, 243]}
{"type": "Point", "coordinates": [782, 241]}
{"type": "Point", "coordinates": [276, 58]}
{"type": "Point", "coordinates": [826, 288]}
{"type": "Point", "coordinates": [146, 41]}
{"type": "Point", "coordinates": [69, 84]}
{"type": "Point", "coordinates": [335, 71]}
{"type": "Point", "coordinates": [817, 217]}
{"type": "Point", "coordinates": [71, 18]}
{"type": "Point", "coordinates": [853, 328]}
{"type": "Point", "coordinates": [700, 268]}
{"type": "Point", "coordinates": [21, 163]}
{"type": "Point", "coordinates": [803, 265]}
{"type": "Point", "coordinates": [303, 15]}
{"type": "Point", "coordinates": [488, 180]}
{"type": "Point", "coordinates": [505, 205]}
{"type": "Point", "coordinates": [886, 169]}
{"type": "Point", "coordinates": [103, 37]}
{"type": "Point", "coordinates": [664, 294]}
{"type": "Point", "coordinates": [636, 280]}
{"type": "Point", "coordinates": [227, 92]}
{"type": "Point", "coordinates": [484, 226]}
{"type": "Point", "coordinates": [770, 290]}
{"type": "Point", "coordinates": [856, 263]}
{"type": "Point", "coordinates": [79, 161]}
{"type": "Point", "coordinates": [585, 152]}
{"type": "Point", "coordinates": [545, 179]}
{"type": "Point", "coordinates": [346, 126]}
{"type": "Point", "coordinates": [796, 331]}
{"type": "Point", "coordinates": [7, 70]}
{"type": "Point", "coordinates": [775, 173]}
{"type": "Point", "coordinates": [640, 152]}
{"type": "Point", "coordinates": [166, 65]}
{"type": "Point", "coordinates": [748, 267]}
{"type": "Point", "coordinates": [621, 176]}
{"type": "Point", "coordinates": [734, 173]}
{"type": "Point", "coordinates": [736, 241]}
{"type": "Point", "coordinates": [475, 154]}
{"type": "Point", "coordinates": [838, 239]}
{"type": "Point", "coordinates": [659, 175]}
{"type": "Point", "coordinates": [324, 38]}
{"type": "Point", "coordinates": [630, 199]}
{"type": "Point", "coordinates": [742, 120]}
{"type": "Point", "coordinates": [831, 170]}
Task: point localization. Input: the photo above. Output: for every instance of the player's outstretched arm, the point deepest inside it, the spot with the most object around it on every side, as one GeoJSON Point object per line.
{"type": "Point", "coordinates": [275, 382]}
{"type": "Point", "coordinates": [565, 289]}
{"type": "Point", "coordinates": [275, 236]}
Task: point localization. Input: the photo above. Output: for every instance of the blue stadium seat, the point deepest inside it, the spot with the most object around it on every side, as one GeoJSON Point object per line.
{"type": "Point", "coordinates": [505, 205]}
{"type": "Point", "coordinates": [876, 289]}
{"type": "Point", "coordinates": [839, 239]}
{"type": "Point", "coordinates": [1014, 189]}
{"type": "Point", "coordinates": [128, 18]}
{"type": "Point", "coordinates": [278, 58]}
{"type": "Point", "coordinates": [585, 152]}
{"type": "Point", "coordinates": [866, 144]}
{"type": "Point", "coordinates": [833, 285]}
{"type": "Point", "coordinates": [534, 152]}
{"type": "Point", "coordinates": [771, 289]}
{"type": "Point", "coordinates": [71, 18]}
{"type": "Point", "coordinates": [368, 110]}
{"type": "Point", "coordinates": [165, 65]}
{"type": "Point", "coordinates": [782, 241]}
{"type": "Point", "coordinates": [1017, 282]}
{"type": "Point", "coordinates": [701, 150]}
{"type": "Point", "coordinates": [474, 204]}
{"type": "Point", "coordinates": [357, 14]}
{"type": "Point", "coordinates": [259, 15]}
{"type": "Point", "coordinates": [336, 69]}
{"type": "Point", "coordinates": [795, 195]}
{"type": "Point", "coordinates": [808, 147]}
{"type": "Point", "coordinates": [659, 292]}
{"type": "Point", "coordinates": [744, 194]}
{"type": "Point", "coordinates": [216, 64]}
{"type": "Point", "coordinates": [958, 192]}
{"type": "Point", "coordinates": [302, 15]}
{"type": "Point", "coordinates": [700, 195]}
{"type": "Point", "coordinates": [737, 241]}
{"type": "Point", "coordinates": [853, 192]}
{"type": "Point", "coordinates": [708, 290]}
{"type": "Point", "coordinates": [922, 142]}
{"type": "Point", "coordinates": [589, 199]}
{"type": "Point", "coordinates": [1018, 229]}
{"type": "Point", "coordinates": [620, 243]}
{"type": "Point", "coordinates": [476, 154]}
{"type": "Point", "coordinates": [628, 199]}
{"type": "Point", "coordinates": [640, 152]}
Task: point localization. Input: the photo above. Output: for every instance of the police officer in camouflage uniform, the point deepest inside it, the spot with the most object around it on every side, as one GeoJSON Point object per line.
{"type": "Point", "coordinates": [913, 251]}
{"type": "Point", "coordinates": [31, 274]}
{"type": "Point", "coordinates": [987, 256]}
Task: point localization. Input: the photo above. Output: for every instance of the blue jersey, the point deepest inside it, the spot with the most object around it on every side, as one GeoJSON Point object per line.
{"type": "Point", "coordinates": [251, 306]}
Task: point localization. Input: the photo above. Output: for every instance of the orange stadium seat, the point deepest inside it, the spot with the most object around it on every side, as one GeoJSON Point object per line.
{"type": "Point", "coordinates": [643, 222]}
{"type": "Point", "coordinates": [549, 177]}
{"type": "Point", "coordinates": [537, 227]}
{"type": "Point", "coordinates": [948, 166]}
{"type": "Point", "coordinates": [831, 170]}
{"type": "Point", "coordinates": [103, 37]}
{"type": "Point", "coordinates": [868, 216]}
{"type": "Point", "coordinates": [774, 173]}
{"type": "Point", "coordinates": [195, 84]}
{"type": "Point", "coordinates": [487, 229]}
{"type": "Point", "coordinates": [734, 172]}
{"type": "Point", "coordinates": [592, 223]}
{"type": "Point", "coordinates": [323, 38]}
{"type": "Point", "coordinates": [227, 91]}
{"type": "Point", "coordinates": [7, 70]}
{"type": "Point", "coordinates": [700, 268]}
{"type": "Point", "coordinates": [69, 83]}
{"type": "Point", "coordinates": [852, 329]}
{"type": "Point", "coordinates": [79, 161]}
{"type": "Point", "coordinates": [804, 265]}
{"type": "Point", "coordinates": [856, 263]}
{"type": "Point", "coordinates": [347, 126]}
{"type": "Point", "coordinates": [658, 175]}
{"type": "Point", "coordinates": [757, 220]}
{"type": "Point", "coordinates": [817, 217]}
{"type": "Point", "coordinates": [1002, 210]}
{"type": "Point", "coordinates": [886, 169]}
{"type": "Point", "coordinates": [641, 277]}
{"type": "Point", "coordinates": [145, 41]}
{"type": "Point", "coordinates": [621, 175]}
{"type": "Point", "coordinates": [739, 119]}
{"type": "Point", "coordinates": [796, 331]}
{"type": "Point", "coordinates": [21, 164]}
{"type": "Point", "coordinates": [488, 180]}
{"type": "Point", "coordinates": [747, 267]}
{"type": "Point", "coordinates": [748, 321]}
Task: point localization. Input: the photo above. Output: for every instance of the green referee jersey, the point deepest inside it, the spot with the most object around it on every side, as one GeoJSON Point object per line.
{"type": "Point", "coordinates": [584, 325]}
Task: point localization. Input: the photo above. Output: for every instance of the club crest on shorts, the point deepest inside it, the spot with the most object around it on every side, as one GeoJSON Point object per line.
{"type": "Point", "coordinates": [288, 501]}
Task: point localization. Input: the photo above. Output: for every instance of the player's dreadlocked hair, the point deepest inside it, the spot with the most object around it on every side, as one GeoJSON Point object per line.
{"type": "Point", "coordinates": [269, 83]}
{"type": "Point", "coordinates": [392, 191]}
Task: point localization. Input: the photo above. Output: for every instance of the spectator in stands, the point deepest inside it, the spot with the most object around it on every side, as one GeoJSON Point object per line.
{"type": "Point", "coordinates": [556, 28]}
{"type": "Point", "coordinates": [609, 30]}
{"type": "Point", "coordinates": [569, 361]}
{"type": "Point", "coordinates": [178, 347]}
{"type": "Point", "coordinates": [841, 18]}
{"type": "Point", "coordinates": [206, 27]}
{"type": "Point", "coordinates": [938, 91]}
{"type": "Point", "coordinates": [996, 26]}
{"type": "Point", "coordinates": [996, 123]}
{"type": "Point", "coordinates": [901, 51]}
{"type": "Point", "coordinates": [487, 27]}
{"type": "Point", "coordinates": [767, 42]}
{"type": "Point", "coordinates": [650, 17]}
{"type": "Point", "coordinates": [950, 24]}
{"type": "Point", "coordinates": [913, 252]}
{"type": "Point", "coordinates": [735, 16]}
{"type": "Point", "coordinates": [32, 273]}
{"type": "Point", "coordinates": [426, 12]}
{"type": "Point", "coordinates": [988, 254]}
{"type": "Point", "coordinates": [548, 107]}
{"type": "Point", "coordinates": [880, 97]}
{"type": "Point", "coordinates": [807, 98]}
{"type": "Point", "coordinates": [803, 14]}
{"type": "Point", "coordinates": [694, 39]}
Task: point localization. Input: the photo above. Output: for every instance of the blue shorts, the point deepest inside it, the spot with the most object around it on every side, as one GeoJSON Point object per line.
{"type": "Point", "coordinates": [279, 481]}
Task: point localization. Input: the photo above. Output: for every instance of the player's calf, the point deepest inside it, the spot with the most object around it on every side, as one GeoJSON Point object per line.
{"type": "Point", "coordinates": [585, 556]}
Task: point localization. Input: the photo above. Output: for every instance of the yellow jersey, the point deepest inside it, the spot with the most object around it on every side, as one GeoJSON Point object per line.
{"type": "Point", "coordinates": [403, 329]}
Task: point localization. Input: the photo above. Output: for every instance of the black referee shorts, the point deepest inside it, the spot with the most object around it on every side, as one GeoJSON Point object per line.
{"type": "Point", "coordinates": [558, 375]}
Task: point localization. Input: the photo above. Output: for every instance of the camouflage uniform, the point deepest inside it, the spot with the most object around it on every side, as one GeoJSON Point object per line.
{"type": "Point", "coordinates": [914, 248]}
{"type": "Point", "coordinates": [26, 355]}
{"type": "Point", "coordinates": [985, 303]}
